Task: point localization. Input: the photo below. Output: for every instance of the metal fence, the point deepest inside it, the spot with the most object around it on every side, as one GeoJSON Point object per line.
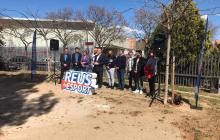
{"type": "Point", "coordinates": [186, 73]}
{"type": "Point", "coordinates": [13, 52]}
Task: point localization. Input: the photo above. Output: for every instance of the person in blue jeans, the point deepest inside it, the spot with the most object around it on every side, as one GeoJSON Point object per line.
{"type": "Point", "coordinates": [120, 64]}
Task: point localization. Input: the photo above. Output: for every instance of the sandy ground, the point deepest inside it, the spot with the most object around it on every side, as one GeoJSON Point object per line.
{"type": "Point", "coordinates": [42, 111]}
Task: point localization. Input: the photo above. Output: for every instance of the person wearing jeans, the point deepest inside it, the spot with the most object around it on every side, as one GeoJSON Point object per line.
{"type": "Point", "coordinates": [111, 69]}
{"type": "Point", "coordinates": [120, 67]}
{"type": "Point", "coordinates": [138, 69]}
{"type": "Point", "coordinates": [121, 78]}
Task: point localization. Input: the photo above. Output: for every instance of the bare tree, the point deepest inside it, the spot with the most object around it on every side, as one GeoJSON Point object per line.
{"type": "Point", "coordinates": [213, 30]}
{"type": "Point", "coordinates": [168, 20]}
{"type": "Point", "coordinates": [43, 28]}
{"type": "Point", "coordinates": [145, 22]}
{"type": "Point", "coordinates": [61, 29]}
{"type": "Point", "coordinates": [39, 26]}
{"type": "Point", "coordinates": [108, 24]}
{"type": "Point", "coordinates": [63, 14]}
{"type": "Point", "coordinates": [1, 37]}
{"type": "Point", "coordinates": [22, 34]}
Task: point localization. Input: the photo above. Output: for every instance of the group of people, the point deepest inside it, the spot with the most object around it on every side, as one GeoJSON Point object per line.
{"type": "Point", "coordinates": [133, 64]}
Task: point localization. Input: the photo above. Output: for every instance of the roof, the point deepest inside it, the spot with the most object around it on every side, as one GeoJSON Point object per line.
{"type": "Point", "coordinates": [46, 23]}
{"type": "Point", "coordinates": [217, 42]}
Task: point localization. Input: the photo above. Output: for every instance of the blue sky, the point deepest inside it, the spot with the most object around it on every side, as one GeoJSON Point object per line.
{"type": "Point", "coordinates": [43, 6]}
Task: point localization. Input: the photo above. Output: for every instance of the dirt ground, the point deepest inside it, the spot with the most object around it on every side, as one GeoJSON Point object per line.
{"type": "Point", "coordinates": [41, 111]}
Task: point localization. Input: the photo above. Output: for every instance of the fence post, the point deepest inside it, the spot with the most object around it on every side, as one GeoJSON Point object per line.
{"type": "Point", "coordinates": [219, 85]}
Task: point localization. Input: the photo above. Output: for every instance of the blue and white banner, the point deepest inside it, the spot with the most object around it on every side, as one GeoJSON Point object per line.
{"type": "Point", "coordinates": [198, 80]}
{"type": "Point", "coordinates": [79, 82]}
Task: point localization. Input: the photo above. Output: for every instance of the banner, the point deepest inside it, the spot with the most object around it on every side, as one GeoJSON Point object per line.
{"type": "Point", "coordinates": [198, 80]}
{"type": "Point", "coordinates": [34, 56]}
{"type": "Point", "coordinates": [79, 82]}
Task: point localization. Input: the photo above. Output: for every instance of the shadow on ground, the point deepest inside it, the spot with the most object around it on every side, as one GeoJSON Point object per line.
{"type": "Point", "coordinates": [15, 109]}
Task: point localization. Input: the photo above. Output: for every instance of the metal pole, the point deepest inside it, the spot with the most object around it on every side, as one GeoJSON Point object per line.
{"type": "Point", "coordinates": [198, 80]}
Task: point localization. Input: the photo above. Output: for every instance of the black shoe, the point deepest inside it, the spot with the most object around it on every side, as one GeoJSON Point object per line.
{"type": "Point", "coordinates": [112, 87]}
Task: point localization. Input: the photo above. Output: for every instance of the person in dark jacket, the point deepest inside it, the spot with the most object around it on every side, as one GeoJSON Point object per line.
{"type": "Point", "coordinates": [120, 64]}
{"type": "Point", "coordinates": [76, 59]}
{"type": "Point", "coordinates": [110, 68]}
{"type": "Point", "coordinates": [98, 62]}
{"type": "Point", "coordinates": [65, 60]}
{"type": "Point", "coordinates": [138, 70]}
{"type": "Point", "coordinates": [151, 72]}
{"type": "Point", "coordinates": [130, 62]}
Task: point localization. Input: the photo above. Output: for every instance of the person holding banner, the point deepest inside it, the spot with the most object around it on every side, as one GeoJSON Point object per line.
{"type": "Point", "coordinates": [99, 61]}
{"type": "Point", "coordinates": [65, 60]}
{"type": "Point", "coordinates": [110, 68]}
{"type": "Point", "coordinates": [120, 64]}
{"type": "Point", "coordinates": [76, 59]}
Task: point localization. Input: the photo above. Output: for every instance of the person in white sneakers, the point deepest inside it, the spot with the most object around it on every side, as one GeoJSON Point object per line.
{"type": "Point", "coordinates": [129, 67]}
{"type": "Point", "coordinates": [138, 70]}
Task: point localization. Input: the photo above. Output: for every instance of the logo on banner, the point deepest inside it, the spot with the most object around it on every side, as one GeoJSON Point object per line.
{"type": "Point", "coordinates": [79, 82]}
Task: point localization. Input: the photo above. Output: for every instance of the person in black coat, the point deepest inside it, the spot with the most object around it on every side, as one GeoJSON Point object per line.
{"type": "Point", "coordinates": [138, 70]}
{"type": "Point", "coordinates": [76, 59]}
{"type": "Point", "coordinates": [110, 68]}
{"type": "Point", "coordinates": [120, 64]}
{"type": "Point", "coordinates": [65, 60]}
{"type": "Point", "coordinates": [98, 62]}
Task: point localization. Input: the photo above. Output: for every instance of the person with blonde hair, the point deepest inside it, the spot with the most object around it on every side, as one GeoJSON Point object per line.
{"type": "Point", "coordinates": [85, 61]}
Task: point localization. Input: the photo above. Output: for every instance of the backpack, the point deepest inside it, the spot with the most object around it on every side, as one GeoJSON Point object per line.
{"type": "Point", "coordinates": [177, 99]}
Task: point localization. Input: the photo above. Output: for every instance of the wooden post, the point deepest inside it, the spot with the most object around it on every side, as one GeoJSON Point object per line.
{"type": "Point", "coordinates": [173, 78]}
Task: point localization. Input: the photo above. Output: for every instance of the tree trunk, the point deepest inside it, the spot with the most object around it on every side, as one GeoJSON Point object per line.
{"type": "Point", "coordinates": [173, 78]}
{"type": "Point", "coordinates": [167, 66]}
{"type": "Point", "coordinates": [26, 54]}
{"type": "Point", "coordinates": [48, 57]}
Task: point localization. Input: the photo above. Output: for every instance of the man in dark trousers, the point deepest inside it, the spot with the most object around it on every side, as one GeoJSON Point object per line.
{"type": "Point", "coordinates": [138, 70]}
{"type": "Point", "coordinates": [76, 59]}
{"type": "Point", "coordinates": [130, 62]}
{"type": "Point", "coordinates": [65, 60]}
{"type": "Point", "coordinates": [99, 61]}
{"type": "Point", "coordinates": [151, 72]}
{"type": "Point", "coordinates": [120, 64]}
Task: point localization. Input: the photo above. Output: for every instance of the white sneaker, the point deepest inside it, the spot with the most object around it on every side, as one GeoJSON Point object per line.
{"type": "Point", "coordinates": [140, 92]}
{"type": "Point", "coordinates": [136, 91]}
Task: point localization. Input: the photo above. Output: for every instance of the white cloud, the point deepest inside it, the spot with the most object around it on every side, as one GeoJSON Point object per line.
{"type": "Point", "coordinates": [131, 32]}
